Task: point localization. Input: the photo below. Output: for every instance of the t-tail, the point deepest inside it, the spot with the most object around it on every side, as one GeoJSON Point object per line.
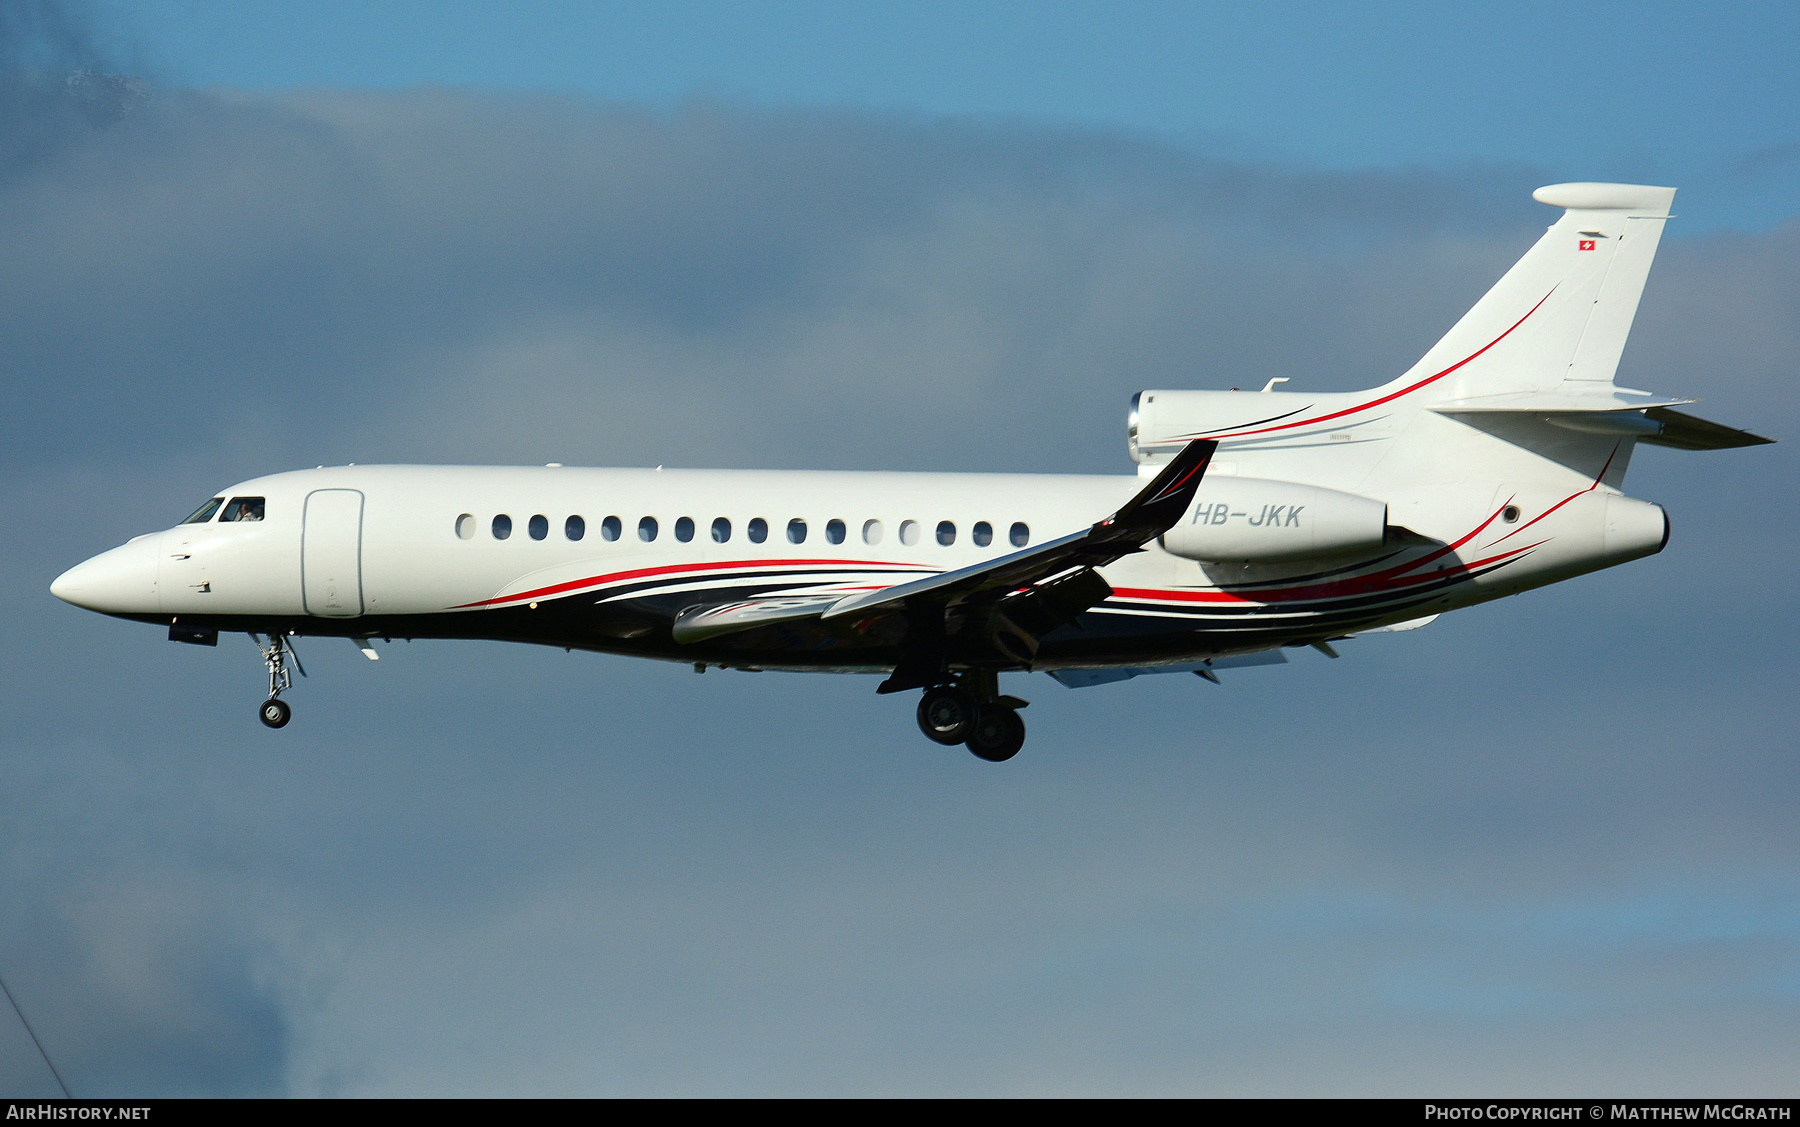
{"type": "Point", "coordinates": [1500, 456]}
{"type": "Point", "coordinates": [1532, 363]}
{"type": "Point", "coordinates": [1557, 322]}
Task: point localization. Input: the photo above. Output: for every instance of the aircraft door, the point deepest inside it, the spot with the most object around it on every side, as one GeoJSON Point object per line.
{"type": "Point", "coordinates": [331, 553]}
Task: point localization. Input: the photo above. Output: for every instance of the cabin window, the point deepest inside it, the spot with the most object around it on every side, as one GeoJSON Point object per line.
{"type": "Point", "coordinates": [574, 528]}
{"type": "Point", "coordinates": [796, 531]}
{"type": "Point", "coordinates": [721, 530]}
{"type": "Point", "coordinates": [909, 532]}
{"type": "Point", "coordinates": [205, 512]}
{"type": "Point", "coordinates": [465, 527]}
{"type": "Point", "coordinates": [610, 528]}
{"type": "Point", "coordinates": [759, 530]}
{"type": "Point", "coordinates": [647, 529]}
{"type": "Point", "coordinates": [946, 533]}
{"type": "Point", "coordinates": [871, 532]}
{"type": "Point", "coordinates": [502, 526]}
{"type": "Point", "coordinates": [982, 534]}
{"type": "Point", "coordinates": [1020, 534]}
{"type": "Point", "coordinates": [244, 508]}
{"type": "Point", "coordinates": [684, 529]}
{"type": "Point", "coordinates": [834, 531]}
{"type": "Point", "coordinates": [538, 526]}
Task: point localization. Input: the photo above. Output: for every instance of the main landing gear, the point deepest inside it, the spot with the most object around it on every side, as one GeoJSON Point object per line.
{"type": "Point", "coordinates": [277, 652]}
{"type": "Point", "coordinates": [973, 713]}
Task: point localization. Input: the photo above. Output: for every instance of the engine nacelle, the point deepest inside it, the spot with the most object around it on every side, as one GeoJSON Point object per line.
{"type": "Point", "coordinates": [1258, 521]}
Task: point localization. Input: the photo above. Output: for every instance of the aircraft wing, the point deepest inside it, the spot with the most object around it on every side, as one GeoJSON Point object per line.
{"type": "Point", "coordinates": [698, 623]}
{"type": "Point", "coordinates": [1025, 594]}
{"type": "Point", "coordinates": [1058, 563]}
{"type": "Point", "coordinates": [1088, 678]}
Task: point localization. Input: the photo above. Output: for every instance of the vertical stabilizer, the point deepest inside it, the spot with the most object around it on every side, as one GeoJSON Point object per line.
{"type": "Point", "coordinates": [1562, 313]}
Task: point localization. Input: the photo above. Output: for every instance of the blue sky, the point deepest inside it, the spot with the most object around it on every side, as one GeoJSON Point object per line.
{"type": "Point", "coordinates": [1704, 96]}
{"type": "Point", "coordinates": [1542, 846]}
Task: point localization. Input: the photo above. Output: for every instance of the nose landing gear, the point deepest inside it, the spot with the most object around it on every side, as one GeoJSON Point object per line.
{"type": "Point", "coordinates": [276, 652]}
{"type": "Point", "coordinates": [973, 713]}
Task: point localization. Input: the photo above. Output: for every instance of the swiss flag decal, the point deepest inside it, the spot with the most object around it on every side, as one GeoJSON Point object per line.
{"type": "Point", "coordinates": [1587, 244]}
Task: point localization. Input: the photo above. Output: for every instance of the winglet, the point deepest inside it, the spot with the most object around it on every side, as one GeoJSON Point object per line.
{"type": "Point", "coordinates": [1160, 504]}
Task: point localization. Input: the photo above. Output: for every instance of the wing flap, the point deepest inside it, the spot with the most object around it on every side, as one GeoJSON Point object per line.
{"type": "Point", "coordinates": [698, 623]}
{"type": "Point", "coordinates": [1088, 678]}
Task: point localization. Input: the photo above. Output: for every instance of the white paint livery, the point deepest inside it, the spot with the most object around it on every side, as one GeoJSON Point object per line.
{"type": "Point", "coordinates": [1249, 520]}
{"type": "Point", "coordinates": [1257, 521]}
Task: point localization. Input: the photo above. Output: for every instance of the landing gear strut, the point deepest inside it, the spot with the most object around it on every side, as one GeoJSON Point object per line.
{"type": "Point", "coordinates": [972, 712]}
{"type": "Point", "coordinates": [277, 652]}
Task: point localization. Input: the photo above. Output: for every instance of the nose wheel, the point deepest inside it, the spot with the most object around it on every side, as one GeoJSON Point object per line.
{"type": "Point", "coordinates": [277, 652]}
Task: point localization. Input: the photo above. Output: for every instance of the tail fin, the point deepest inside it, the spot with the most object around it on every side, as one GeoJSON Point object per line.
{"type": "Point", "coordinates": [1561, 314]}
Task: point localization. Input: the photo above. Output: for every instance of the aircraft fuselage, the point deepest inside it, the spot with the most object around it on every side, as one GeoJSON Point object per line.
{"type": "Point", "coordinates": [415, 552]}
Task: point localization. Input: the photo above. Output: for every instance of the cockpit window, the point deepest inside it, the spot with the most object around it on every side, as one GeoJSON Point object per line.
{"type": "Point", "coordinates": [244, 508]}
{"type": "Point", "coordinates": [205, 512]}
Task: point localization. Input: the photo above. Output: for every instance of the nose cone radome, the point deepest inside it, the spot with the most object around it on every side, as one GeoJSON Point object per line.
{"type": "Point", "coordinates": [122, 581]}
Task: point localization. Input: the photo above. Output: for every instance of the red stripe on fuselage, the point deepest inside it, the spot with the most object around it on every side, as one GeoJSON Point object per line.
{"type": "Point", "coordinates": [678, 569]}
{"type": "Point", "coordinates": [1566, 500]}
{"type": "Point", "coordinates": [1388, 579]}
{"type": "Point", "coordinates": [1395, 395]}
{"type": "Point", "coordinates": [1321, 593]}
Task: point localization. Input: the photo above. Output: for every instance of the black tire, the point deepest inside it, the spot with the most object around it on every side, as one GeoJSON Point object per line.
{"type": "Point", "coordinates": [946, 714]}
{"type": "Point", "coordinates": [275, 713]}
{"type": "Point", "coordinates": [997, 734]}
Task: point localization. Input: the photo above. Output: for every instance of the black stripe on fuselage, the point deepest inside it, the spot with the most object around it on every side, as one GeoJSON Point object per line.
{"type": "Point", "coordinates": [1118, 632]}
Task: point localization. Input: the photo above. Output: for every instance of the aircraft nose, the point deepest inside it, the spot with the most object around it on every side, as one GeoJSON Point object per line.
{"type": "Point", "coordinates": [121, 581]}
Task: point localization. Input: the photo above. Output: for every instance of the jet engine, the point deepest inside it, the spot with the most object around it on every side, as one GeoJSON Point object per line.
{"type": "Point", "coordinates": [1258, 521]}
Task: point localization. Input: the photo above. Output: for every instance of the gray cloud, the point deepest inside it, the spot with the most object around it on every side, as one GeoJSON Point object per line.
{"type": "Point", "coordinates": [1542, 845]}
{"type": "Point", "coordinates": [322, 265]}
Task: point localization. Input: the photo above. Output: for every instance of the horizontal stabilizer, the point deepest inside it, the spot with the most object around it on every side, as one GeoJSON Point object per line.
{"type": "Point", "coordinates": [1607, 398]}
{"type": "Point", "coordinates": [1688, 432]}
{"type": "Point", "coordinates": [1623, 413]}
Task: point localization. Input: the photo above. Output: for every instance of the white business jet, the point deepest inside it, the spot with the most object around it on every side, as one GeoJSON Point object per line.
{"type": "Point", "coordinates": [1256, 521]}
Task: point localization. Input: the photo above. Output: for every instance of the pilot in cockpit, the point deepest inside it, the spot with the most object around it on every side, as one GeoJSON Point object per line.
{"type": "Point", "coordinates": [244, 508]}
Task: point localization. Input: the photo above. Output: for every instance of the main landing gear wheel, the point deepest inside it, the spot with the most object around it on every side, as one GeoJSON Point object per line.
{"type": "Point", "coordinates": [946, 714]}
{"type": "Point", "coordinates": [997, 734]}
{"type": "Point", "coordinates": [276, 713]}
